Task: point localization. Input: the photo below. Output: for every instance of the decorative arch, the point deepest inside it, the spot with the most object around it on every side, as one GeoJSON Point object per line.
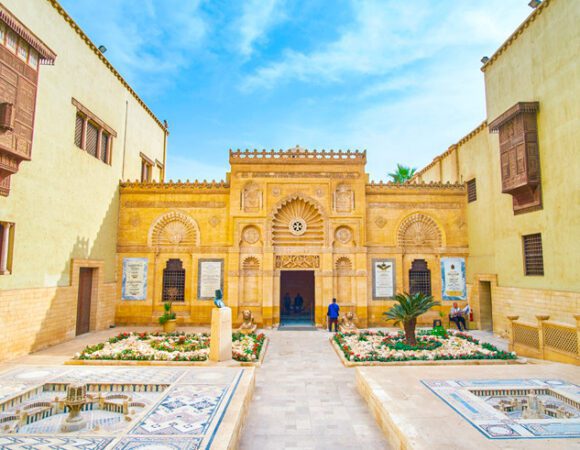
{"type": "Point", "coordinates": [251, 263]}
{"type": "Point", "coordinates": [419, 230]}
{"type": "Point", "coordinates": [343, 263]}
{"type": "Point", "coordinates": [297, 221]}
{"type": "Point", "coordinates": [174, 229]}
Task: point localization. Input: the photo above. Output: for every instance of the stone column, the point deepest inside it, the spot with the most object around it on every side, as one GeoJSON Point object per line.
{"type": "Point", "coordinates": [220, 348]}
{"type": "Point", "coordinates": [541, 318]}
{"type": "Point", "coordinates": [512, 319]}
{"type": "Point", "coordinates": [5, 245]}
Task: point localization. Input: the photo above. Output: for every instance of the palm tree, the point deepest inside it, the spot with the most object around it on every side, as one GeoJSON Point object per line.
{"type": "Point", "coordinates": [402, 174]}
{"type": "Point", "coordinates": [408, 308]}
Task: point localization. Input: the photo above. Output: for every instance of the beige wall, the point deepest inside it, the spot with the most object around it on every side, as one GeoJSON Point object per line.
{"type": "Point", "coordinates": [537, 64]}
{"type": "Point", "coordinates": [64, 202]}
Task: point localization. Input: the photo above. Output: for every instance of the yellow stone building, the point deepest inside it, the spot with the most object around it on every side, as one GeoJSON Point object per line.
{"type": "Point", "coordinates": [292, 221]}
{"type": "Point", "coordinates": [522, 171]}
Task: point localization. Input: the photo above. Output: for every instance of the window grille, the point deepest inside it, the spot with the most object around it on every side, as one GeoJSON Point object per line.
{"type": "Point", "coordinates": [174, 281]}
{"type": "Point", "coordinates": [105, 147]}
{"type": "Point", "coordinates": [471, 191]}
{"type": "Point", "coordinates": [533, 254]}
{"type": "Point", "coordinates": [92, 138]}
{"type": "Point", "coordinates": [419, 277]}
{"type": "Point", "coordinates": [79, 131]}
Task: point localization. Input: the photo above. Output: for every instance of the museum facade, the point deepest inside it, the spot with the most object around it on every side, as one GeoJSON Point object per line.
{"type": "Point", "coordinates": [283, 224]}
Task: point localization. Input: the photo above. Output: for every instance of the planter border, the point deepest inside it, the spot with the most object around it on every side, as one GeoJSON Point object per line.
{"type": "Point", "coordinates": [423, 362]}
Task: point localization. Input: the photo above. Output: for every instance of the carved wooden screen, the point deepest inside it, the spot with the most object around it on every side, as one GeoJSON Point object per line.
{"type": "Point", "coordinates": [471, 191]}
{"type": "Point", "coordinates": [520, 159]}
{"type": "Point", "coordinates": [92, 139]}
{"type": "Point", "coordinates": [79, 131]}
{"type": "Point", "coordinates": [533, 254]}
{"type": "Point", "coordinates": [105, 147]}
{"type": "Point", "coordinates": [419, 277]}
{"type": "Point", "coordinates": [174, 281]}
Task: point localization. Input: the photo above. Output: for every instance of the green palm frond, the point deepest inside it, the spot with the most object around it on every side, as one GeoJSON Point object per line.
{"type": "Point", "coordinates": [409, 307]}
{"type": "Point", "coordinates": [402, 174]}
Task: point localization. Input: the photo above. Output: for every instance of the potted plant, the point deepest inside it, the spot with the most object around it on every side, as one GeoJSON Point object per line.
{"type": "Point", "coordinates": [168, 318]}
{"type": "Point", "coordinates": [406, 311]}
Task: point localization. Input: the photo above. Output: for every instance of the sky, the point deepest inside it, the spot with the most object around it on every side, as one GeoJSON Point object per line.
{"type": "Point", "coordinates": [400, 79]}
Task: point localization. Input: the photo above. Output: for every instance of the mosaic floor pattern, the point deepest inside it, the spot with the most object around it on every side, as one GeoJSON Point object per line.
{"type": "Point", "coordinates": [184, 414]}
{"type": "Point", "coordinates": [514, 408]}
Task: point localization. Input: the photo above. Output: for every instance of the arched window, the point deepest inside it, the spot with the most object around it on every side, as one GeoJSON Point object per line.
{"type": "Point", "coordinates": [419, 277]}
{"type": "Point", "coordinates": [174, 281]}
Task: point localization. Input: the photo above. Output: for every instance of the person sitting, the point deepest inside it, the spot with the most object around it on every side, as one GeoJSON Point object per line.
{"type": "Point", "coordinates": [456, 315]}
{"type": "Point", "coordinates": [332, 315]}
{"type": "Point", "coordinates": [298, 303]}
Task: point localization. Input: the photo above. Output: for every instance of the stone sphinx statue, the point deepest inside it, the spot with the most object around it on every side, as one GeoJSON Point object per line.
{"type": "Point", "coordinates": [347, 323]}
{"type": "Point", "coordinates": [248, 326]}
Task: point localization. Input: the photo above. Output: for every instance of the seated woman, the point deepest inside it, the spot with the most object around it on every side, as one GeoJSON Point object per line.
{"type": "Point", "coordinates": [456, 315]}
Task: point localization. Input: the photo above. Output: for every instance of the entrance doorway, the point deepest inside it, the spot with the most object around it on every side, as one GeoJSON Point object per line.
{"type": "Point", "coordinates": [297, 297]}
{"type": "Point", "coordinates": [485, 307]}
{"type": "Point", "coordinates": [84, 300]}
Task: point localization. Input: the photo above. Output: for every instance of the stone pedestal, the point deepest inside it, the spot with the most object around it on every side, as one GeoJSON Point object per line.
{"type": "Point", "coordinates": [220, 348]}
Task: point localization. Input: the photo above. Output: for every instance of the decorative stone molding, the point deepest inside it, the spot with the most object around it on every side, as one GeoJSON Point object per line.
{"type": "Point", "coordinates": [294, 211]}
{"type": "Point", "coordinates": [297, 261]}
{"type": "Point", "coordinates": [152, 186]}
{"type": "Point", "coordinates": [343, 234]}
{"type": "Point", "coordinates": [297, 155]}
{"type": "Point", "coordinates": [380, 221]}
{"type": "Point", "coordinates": [252, 198]}
{"type": "Point", "coordinates": [419, 230]}
{"type": "Point", "coordinates": [174, 229]}
{"type": "Point", "coordinates": [214, 221]}
{"type": "Point", "coordinates": [251, 263]}
{"type": "Point", "coordinates": [172, 204]}
{"type": "Point", "coordinates": [343, 198]}
{"type": "Point", "coordinates": [251, 234]}
{"type": "Point", "coordinates": [343, 263]}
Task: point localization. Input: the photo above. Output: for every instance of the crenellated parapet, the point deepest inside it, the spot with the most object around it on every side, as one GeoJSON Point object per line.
{"type": "Point", "coordinates": [197, 185]}
{"type": "Point", "coordinates": [385, 186]}
{"type": "Point", "coordinates": [297, 155]}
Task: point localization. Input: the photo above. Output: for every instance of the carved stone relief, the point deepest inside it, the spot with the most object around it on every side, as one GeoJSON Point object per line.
{"type": "Point", "coordinates": [251, 235]}
{"type": "Point", "coordinates": [380, 222]}
{"type": "Point", "coordinates": [214, 221]}
{"type": "Point", "coordinates": [252, 198]}
{"type": "Point", "coordinates": [343, 198]}
{"type": "Point", "coordinates": [297, 261]}
{"type": "Point", "coordinates": [343, 235]}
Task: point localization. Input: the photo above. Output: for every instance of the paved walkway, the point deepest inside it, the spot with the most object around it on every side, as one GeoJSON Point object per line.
{"type": "Point", "coordinates": [306, 399]}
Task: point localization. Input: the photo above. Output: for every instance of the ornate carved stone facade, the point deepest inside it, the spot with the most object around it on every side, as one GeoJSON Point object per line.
{"type": "Point", "coordinates": [265, 229]}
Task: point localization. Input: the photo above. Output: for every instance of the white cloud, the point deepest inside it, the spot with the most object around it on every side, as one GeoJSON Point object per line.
{"type": "Point", "coordinates": [258, 17]}
{"type": "Point", "coordinates": [149, 45]}
{"type": "Point", "coordinates": [385, 36]}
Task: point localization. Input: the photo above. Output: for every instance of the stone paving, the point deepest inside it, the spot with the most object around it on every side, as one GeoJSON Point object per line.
{"type": "Point", "coordinates": [306, 399]}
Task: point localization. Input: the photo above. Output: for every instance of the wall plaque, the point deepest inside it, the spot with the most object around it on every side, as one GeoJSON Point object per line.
{"type": "Point", "coordinates": [383, 279]}
{"type": "Point", "coordinates": [210, 277]}
{"type": "Point", "coordinates": [134, 284]}
{"type": "Point", "coordinates": [453, 284]}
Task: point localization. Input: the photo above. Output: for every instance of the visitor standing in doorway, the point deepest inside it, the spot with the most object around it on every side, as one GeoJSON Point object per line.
{"type": "Point", "coordinates": [332, 314]}
{"type": "Point", "coordinates": [287, 303]}
{"type": "Point", "coordinates": [298, 303]}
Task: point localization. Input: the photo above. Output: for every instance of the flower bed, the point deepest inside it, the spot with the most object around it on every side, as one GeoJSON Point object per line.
{"type": "Point", "coordinates": [170, 347]}
{"type": "Point", "coordinates": [378, 346]}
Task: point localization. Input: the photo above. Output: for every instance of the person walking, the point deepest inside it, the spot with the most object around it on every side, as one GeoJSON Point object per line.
{"type": "Point", "coordinates": [332, 314]}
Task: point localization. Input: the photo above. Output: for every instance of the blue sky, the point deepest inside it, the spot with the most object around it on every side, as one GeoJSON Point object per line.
{"type": "Point", "coordinates": [400, 79]}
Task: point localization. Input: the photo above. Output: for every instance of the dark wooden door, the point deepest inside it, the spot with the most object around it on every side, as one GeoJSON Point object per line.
{"type": "Point", "coordinates": [84, 300]}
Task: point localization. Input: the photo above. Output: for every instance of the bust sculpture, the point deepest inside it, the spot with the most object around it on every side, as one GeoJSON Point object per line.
{"type": "Point", "coordinates": [248, 325]}
{"type": "Point", "coordinates": [218, 299]}
{"type": "Point", "coordinates": [347, 324]}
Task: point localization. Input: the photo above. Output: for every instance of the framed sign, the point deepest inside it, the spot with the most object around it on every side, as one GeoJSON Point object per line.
{"type": "Point", "coordinates": [210, 278]}
{"type": "Point", "coordinates": [134, 283]}
{"type": "Point", "coordinates": [453, 283]}
{"type": "Point", "coordinates": [383, 279]}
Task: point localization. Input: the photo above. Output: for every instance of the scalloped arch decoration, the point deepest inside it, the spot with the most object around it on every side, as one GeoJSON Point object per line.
{"type": "Point", "coordinates": [343, 263]}
{"type": "Point", "coordinates": [174, 229]}
{"type": "Point", "coordinates": [301, 211]}
{"type": "Point", "coordinates": [419, 230]}
{"type": "Point", "coordinates": [251, 263]}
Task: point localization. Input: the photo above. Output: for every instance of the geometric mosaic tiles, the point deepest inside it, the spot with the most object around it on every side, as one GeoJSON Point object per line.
{"type": "Point", "coordinates": [529, 408]}
{"type": "Point", "coordinates": [184, 411]}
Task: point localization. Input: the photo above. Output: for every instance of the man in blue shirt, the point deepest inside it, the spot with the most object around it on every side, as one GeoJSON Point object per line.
{"type": "Point", "coordinates": [332, 314]}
